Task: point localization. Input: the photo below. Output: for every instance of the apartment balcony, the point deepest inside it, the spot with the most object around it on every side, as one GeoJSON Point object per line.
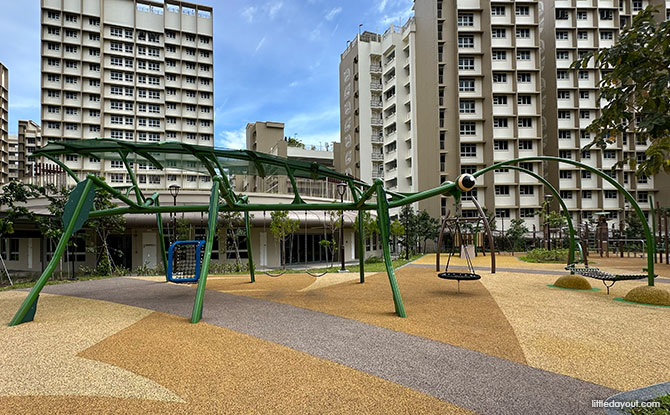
{"type": "Point", "coordinates": [377, 174]}
{"type": "Point", "coordinates": [377, 139]}
{"type": "Point", "coordinates": [376, 86]}
{"type": "Point", "coordinates": [376, 104]}
{"type": "Point", "coordinates": [377, 157]}
{"type": "Point", "coordinates": [376, 68]}
{"type": "Point", "coordinates": [378, 122]}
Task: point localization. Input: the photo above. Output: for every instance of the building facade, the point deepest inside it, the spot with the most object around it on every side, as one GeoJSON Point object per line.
{"type": "Point", "coordinates": [137, 70]}
{"type": "Point", "coordinates": [4, 124]}
{"type": "Point", "coordinates": [488, 81]}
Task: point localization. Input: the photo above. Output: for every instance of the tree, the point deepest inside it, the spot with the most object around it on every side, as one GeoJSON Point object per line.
{"type": "Point", "coordinates": [396, 231]}
{"type": "Point", "coordinates": [104, 227]}
{"type": "Point", "coordinates": [282, 226]}
{"type": "Point", "coordinates": [230, 231]}
{"type": "Point", "coordinates": [294, 142]}
{"type": "Point", "coordinates": [183, 229]}
{"type": "Point", "coordinates": [408, 220]}
{"type": "Point", "coordinates": [516, 234]}
{"type": "Point", "coordinates": [12, 198]}
{"type": "Point", "coordinates": [333, 221]}
{"type": "Point", "coordinates": [636, 89]}
{"type": "Point", "coordinates": [427, 228]}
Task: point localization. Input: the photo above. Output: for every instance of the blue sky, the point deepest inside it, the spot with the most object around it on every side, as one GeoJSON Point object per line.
{"type": "Point", "coordinates": [274, 61]}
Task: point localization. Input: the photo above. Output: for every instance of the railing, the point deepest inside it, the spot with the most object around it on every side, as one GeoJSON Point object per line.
{"type": "Point", "coordinates": [379, 139]}
{"type": "Point", "coordinates": [376, 104]}
{"type": "Point", "coordinates": [377, 174]}
{"type": "Point", "coordinates": [377, 121]}
{"type": "Point", "coordinates": [377, 157]}
{"type": "Point", "coordinates": [376, 86]}
{"type": "Point", "coordinates": [376, 68]}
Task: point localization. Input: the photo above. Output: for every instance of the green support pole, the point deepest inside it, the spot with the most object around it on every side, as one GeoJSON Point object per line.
{"type": "Point", "coordinates": [361, 246]}
{"type": "Point", "coordinates": [31, 299]}
{"type": "Point", "coordinates": [161, 242]}
{"type": "Point", "coordinates": [384, 226]}
{"type": "Point", "coordinates": [247, 227]}
{"type": "Point", "coordinates": [204, 269]}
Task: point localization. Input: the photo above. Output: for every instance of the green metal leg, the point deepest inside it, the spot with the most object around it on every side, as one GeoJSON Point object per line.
{"type": "Point", "coordinates": [204, 269]}
{"type": "Point", "coordinates": [161, 241]}
{"type": "Point", "coordinates": [247, 227]}
{"type": "Point", "coordinates": [361, 246]}
{"type": "Point", "coordinates": [384, 227]}
{"type": "Point", "coordinates": [24, 315]}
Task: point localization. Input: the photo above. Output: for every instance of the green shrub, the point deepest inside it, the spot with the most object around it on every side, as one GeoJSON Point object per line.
{"type": "Point", "coordinates": [374, 260]}
{"type": "Point", "coordinates": [545, 255]}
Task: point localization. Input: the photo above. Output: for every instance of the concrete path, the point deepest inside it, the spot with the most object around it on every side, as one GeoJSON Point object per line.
{"type": "Point", "coordinates": [469, 379]}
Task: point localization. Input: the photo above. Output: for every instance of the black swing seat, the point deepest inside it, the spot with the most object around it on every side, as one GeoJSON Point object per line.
{"type": "Point", "coordinates": [605, 277]}
{"type": "Point", "coordinates": [459, 276]}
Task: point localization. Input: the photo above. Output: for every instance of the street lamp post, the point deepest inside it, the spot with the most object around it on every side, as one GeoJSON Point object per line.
{"type": "Point", "coordinates": [174, 191]}
{"type": "Point", "coordinates": [341, 189]}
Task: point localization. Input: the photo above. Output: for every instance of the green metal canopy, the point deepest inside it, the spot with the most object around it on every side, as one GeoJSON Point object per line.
{"type": "Point", "coordinates": [220, 164]}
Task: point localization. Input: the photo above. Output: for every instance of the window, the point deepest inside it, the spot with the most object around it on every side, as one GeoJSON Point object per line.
{"type": "Point", "coordinates": [466, 41]}
{"type": "Point", "coordinates": [53, 78]}
{"type": "Point", "coordinates": [71, 18]}
{"type": "Point", "coordinates": [562, 75]}
{"type": "Point", "coordinates": [562, 14]}
{"type": "Point", "coordinates": [525, 144]}
{"type": "Point", "coordinates": [523, 33]}
{"type": "Point", "coordinates": [153, 122]}
{"type": "Point", "coordinates": [499, 55]}
{"type": "Point", "coordinates": [584, 75]}
{"type": "Point", "coordinates": [497, 10]}
{"type": "Point", "coordinates": [565, 174]}
{"type": "Point", "coordinates": [563, 94]}
{"type": "Point", "coordinates": [564, 134]}
{"type": "Point", "coordinates": [154, 52]}
{"type": "Point", "coordinates": [526, 190]}
{"type": "Point", "coordinates": [566, 194]}
{"type": "Point", "coordinates": [584, 114]}
{"type": "Point", "coordinates": [53, 62]}
{"type": "Point", "coordinates": [117, 46]}
{"type": "Point", "coordinates": [502, 213]}
{"type": "Point", "coordinates": [606, 35]}
{"type": "Point", "coordinates": [609, 154]}
{"type": "Point", "coordinates": [154, 95]}
{"type": "Point", "coordinates": [500, 100]}
{"type": "Point", "coordinates": [53, 94]}
{"type": "Point", "coordinates": [94, 67]}
{"type": "Point", "coordinates": [116, 90]}
{"type": "Point", "coordinates": [583, 35]}
{"type": "Point", "coordinates": [584, 135]}
{"type": "Point", "coordinates": [562, 54]}
{"type": "Point", "coordinates": [116, 76]}
{"type": "Point", "coordinates": [564, 115]}
{"type": "Point", "coordinates": [468, 128]}
{"type": "Point", "coordinates": [498, 33]}
{"type": "Point", "coordinates": [610, 194]}
{"type": "Point", "coordinates": [502, 190]}
{"type": "Point", "coordinates": [154, 66]}
{"type": "Point", "coordinates": [116, 119]}
{"type": "Point", "coordinates": [467, 106]}
{"type": "Point", "coordinates": [499, 122]}
{"type": "Point", "coordinates": [499, 77]}
{"type": "Point", "coordinates": [565, 154]}
{"type": "Point", "coordinates": [53, 15]}
{"type": "Point", "coordinates": [500, 145]}
{"type": "Point", "coordinates": [525, 122]}
{"type": "Point", "coordinates": [73, 95]}
{"type": "Point", "coordinates": [587, 194]}
{"type": "Point", "coordinates": [116, 61]}
{"type": "Point", "coordinates": [642, 197]}
{"type": "Point", "coordinates": [527, 166]}
{"type": "Point", "coordinates": [522, 11]}
{"type": "Point", "coordinates": [586, 154]}
{"type": "Point", "coordinates": [116, 105]}
{"type": "Point", "coordinates": [581, 15]}
{"type": "Point", "coordinates": [71, 111]}
{"type": "Point", "coordinates": [561, 35]}
{"type": "Point", "coordinates": [468, 150]}
{"type": "Point", "coordinates": [116, 31]}
{"type": "Point", "coordinates": [71, 126]}
{"type": "Point", "coordinates": [524, 100]}
{"type": "Point", "coordinates": [523, 77]}
{"type": "Point", "coordinates": [606, 14]}
{"type": "Point", "coordinates": [53, 31]}
{"type": "Point", "coordinates": [523, 55]}
{"type": "Point", "coordinates": [466, 63]}
{"type": "Point", "coordinates": [53, 46]}
{"type": "Point", "coordinates": [584, 94]}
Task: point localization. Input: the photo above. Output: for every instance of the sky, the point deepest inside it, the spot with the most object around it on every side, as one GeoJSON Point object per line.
{"type": "Point", "coordinates": [273, 61]}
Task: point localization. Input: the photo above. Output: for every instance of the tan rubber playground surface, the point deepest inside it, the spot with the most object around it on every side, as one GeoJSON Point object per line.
{"type": "Point", "coordinates": [85, 356]}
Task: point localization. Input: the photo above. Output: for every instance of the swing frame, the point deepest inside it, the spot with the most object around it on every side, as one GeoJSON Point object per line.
{"type": "Point", "coordinates": [220, 164]}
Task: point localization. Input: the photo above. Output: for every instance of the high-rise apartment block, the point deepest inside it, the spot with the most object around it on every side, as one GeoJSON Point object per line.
{"type": "Point", "coordinates": [4, 124]}
{"type": "Point", "coordinates": [467, 83]}
{"type": "Point", "coordinates": [136, 70]}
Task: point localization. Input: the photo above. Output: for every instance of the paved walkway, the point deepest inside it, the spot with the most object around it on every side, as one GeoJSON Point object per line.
{"type": "Point", "coordinates": [469, 379]}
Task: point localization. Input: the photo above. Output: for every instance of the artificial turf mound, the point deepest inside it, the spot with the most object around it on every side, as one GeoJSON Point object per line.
{"type": "Point", "coordinates": [575, 282]}
{"type": "Point", "coordinates": [649, 295]}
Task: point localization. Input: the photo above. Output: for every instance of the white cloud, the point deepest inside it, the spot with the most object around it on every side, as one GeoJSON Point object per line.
{"type": "Point", "coordinates": [273, 9]}
{"type": "Point", "coordinates": [249, 13]}
{"type": "Point", "coordinates": [382, 5]}
{"type": "Point", "coordinates": [234, 140]}
{"type": "Point", "coordinates": [334, 12]}
{"type": "Point", "coordinates": [259, 45]}
{"type": "Point", "coordinates": [293, 84]}
{"type": "Point", "coordinates": [397, 18]}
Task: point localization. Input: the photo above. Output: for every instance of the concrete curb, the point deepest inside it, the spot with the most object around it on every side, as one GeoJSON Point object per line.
{"type": "Point", "coordinates": [643, 394]}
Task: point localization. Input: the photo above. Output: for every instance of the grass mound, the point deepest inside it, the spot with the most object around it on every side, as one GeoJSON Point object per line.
{"type": "Point", "coordinates": [541, 255]}
{"type": "Point", "coordinates": [575, 282]}
{"type": "Point", "coordinates": [649, 295]}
